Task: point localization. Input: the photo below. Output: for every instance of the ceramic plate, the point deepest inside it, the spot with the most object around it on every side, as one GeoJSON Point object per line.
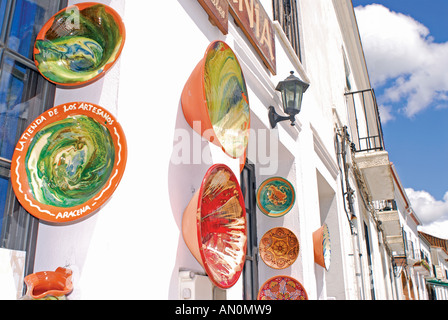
{"type": "Point", "coordinates": [275, 197]}
{"type": "Point", "coordinates": [215, 100]}
{"type": "Point", "coordinates": [222, 232]}
{"type": "Point", "coordinates": [68, 162]}
{"type": "Point", "coordinates": [227, 98]}
{"type": "Point", "coordinates": [326, 243]}
{"type": "Point", "coordinates": [279, 248]}
{"type": "Point", "coordinates": [79, 44]}
{"type": "Point", "coordinates": [282, 288]}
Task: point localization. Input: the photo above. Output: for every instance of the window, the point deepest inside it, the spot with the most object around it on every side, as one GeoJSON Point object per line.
{"type": "Point", "coordinates": [24, 95]}
{"type": "Point", "coordinates": [348, 72]}
{"type": "Point", "coordinates": [250, 271]}
{"type": "Point", "coordinates": [369, 260]}
{"type": "Point", "coordinates": [285, 12]}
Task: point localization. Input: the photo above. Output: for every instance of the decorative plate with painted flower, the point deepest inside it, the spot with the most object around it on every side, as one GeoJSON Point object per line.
{"type": "Point", "coordinates": [282, 288]}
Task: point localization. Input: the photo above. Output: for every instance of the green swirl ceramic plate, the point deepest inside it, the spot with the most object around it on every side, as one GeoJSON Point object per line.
{"type": "Point", "coordinates": [276, 197]}
{"type": "Point", "coordinates": [79, 44]}
{"type": "Point", "coordinates": [68, 162]}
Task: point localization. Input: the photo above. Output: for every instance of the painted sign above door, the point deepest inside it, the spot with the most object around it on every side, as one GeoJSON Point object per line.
{"type": "Point", "coordinates": [253, 20]}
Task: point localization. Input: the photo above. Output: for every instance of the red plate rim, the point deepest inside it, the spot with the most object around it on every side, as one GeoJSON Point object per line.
{"type": "Point", "coordinates": [199, 231]}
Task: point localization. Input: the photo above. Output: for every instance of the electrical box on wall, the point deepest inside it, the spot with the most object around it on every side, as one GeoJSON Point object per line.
{"type": "Point", "coordinates": [193, 286]}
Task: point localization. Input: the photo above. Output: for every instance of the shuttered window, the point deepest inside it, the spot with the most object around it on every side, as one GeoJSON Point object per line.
{"type": "Point", "coordinates": [286, 13]}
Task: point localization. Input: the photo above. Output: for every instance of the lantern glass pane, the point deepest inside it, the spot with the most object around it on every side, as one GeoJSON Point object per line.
{"type": "Point", "coordinates": [292, 97]}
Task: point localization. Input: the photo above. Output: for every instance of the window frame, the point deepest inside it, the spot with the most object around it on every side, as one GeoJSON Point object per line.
{"type": "Point", "coordinates": [19, 229]}
{"type": "Point", "coordinates": [250, 270]}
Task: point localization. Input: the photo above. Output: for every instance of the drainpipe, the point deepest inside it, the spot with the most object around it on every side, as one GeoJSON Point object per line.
{"type": "Point", "coordinates": [342, 138]}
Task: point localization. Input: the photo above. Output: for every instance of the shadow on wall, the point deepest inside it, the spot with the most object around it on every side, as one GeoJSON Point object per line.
{"type": "Point", "coordinates": [203, 24]}
{"type": "Point", "coordinates": [190, 160]}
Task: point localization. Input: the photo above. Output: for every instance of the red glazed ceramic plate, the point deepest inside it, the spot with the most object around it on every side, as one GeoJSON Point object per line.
{"type": "Point", "coordinates": [279, 248]}
{"type": "Point", "coordinates": [282, 288]}
{"type": "Point", "coordinates": [68, 162]}
{"type": "Point", "coordinates": [221, 226]}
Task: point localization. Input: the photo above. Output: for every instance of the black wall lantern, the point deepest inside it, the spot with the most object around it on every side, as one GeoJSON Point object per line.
{"type": "Point", "coordinates": [292, 89]}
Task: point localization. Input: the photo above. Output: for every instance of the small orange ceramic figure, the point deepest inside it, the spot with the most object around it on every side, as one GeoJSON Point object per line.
{"type": "Point", "coordinates": [49, 285]}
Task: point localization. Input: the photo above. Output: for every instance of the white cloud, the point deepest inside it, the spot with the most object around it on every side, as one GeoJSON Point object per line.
{"type": "Point", "coordinates": [432, 213]}
{"type": "Point", "coordinates": [386, 113]}
{"type": "Point", "coordinates": [400, 51]}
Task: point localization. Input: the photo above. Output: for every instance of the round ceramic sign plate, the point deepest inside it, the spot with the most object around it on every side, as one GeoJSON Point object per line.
{"type": "Point", "coordinates": [282, 288]}
{"type": "Point", "coordinates": [79, 44]}
{"type": "Point", "coordinates": [68, 162]}
{"type": "Point", "coordinates": [279, 248]}
{"type": "Point", "coordinates": [275, 197]}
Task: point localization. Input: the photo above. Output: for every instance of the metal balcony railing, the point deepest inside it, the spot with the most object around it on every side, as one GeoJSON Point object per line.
{"type": "Point", "coordinates": [364, 116]}
{"type": "Point", "coordinates": [385, 205]}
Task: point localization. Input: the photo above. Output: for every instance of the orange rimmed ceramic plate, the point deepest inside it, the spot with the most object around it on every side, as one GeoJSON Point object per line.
{"type": "Point", "coordinates": [214, 226]}
{"type": "Point", "coordinates": [68, 162]}
{"type": "Point", "coordinates": [221, 226]}
{"type": "Point", "coordinates": [282, 288]}
{"type": "Point", "coordinates": [279, 248]}
{"type": "Point", "coordinates": [215, 100]}
{"type": "Point", "coordinates": [79, 44]}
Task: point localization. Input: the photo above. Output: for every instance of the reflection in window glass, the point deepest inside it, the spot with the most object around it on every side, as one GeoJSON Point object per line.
{"type": "Point", "coordinates": [13, 104]}
{"type": "Point", "coordinates": [24, 94]}
{"type": "Point", "coordinates": [3, 193]}
{"type": "Point", "coordinates": [2, 15]}
{"type": "Point", "coordinates": [29, 17]}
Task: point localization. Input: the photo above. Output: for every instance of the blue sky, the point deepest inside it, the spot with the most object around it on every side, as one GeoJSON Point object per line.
{"type": "Point", "coordinates": [406, 48]}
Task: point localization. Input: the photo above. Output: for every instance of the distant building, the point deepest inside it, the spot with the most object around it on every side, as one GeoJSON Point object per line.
{"type": "Point", "coordinates": [438, 283]}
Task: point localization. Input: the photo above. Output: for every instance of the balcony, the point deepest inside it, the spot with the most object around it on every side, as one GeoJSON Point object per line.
{"type": "Point", "coordinates": [367, 134]}
{"type": "Point", "coordinates": [422, 267]}
{"type": "Point", "coordinates": [390, 223]}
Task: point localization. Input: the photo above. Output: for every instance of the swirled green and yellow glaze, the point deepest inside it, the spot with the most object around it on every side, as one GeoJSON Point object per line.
{"type": "Point", "coordinates": [69, 161]}
{"type": "Point", "coordinates": [227, 99]}
{"type": "Point", "coordinates": [79, 44]}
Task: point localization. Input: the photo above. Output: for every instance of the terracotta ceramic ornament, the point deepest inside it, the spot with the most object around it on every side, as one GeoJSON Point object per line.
{"type": "Point", "coordinates": [279, 248]}
{"type": "Point", "coordinates": [68, 162]}
{"type": "Point", "coordinates": [49, 285]}
{"type": "Point", "coordinates": [322, 247]}
{"type": "Point", "coordinates": [215, 101]}
{"type": "Point", "coordinates": [275, 197]}
{"type": "Point", "coordinates": [79, 44]}
{"type": "Point", "coordinates": [282, 288]}
{"type": "Point", "coordinates": [214, 226]}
